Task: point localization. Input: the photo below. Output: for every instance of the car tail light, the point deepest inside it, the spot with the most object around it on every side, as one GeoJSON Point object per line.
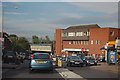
{"type": "Point", "coordinates": [49, 57]}
{"type": "Point", "coordinates": [32, 56]}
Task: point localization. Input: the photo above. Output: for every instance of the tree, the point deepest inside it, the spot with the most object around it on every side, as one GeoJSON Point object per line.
{"type": "Point", "coordinates": [13, 39]}
{"type": "Point", "coordinates": [6, 42]}
{"type": "Point", "coordinates": [35, 39]}
{"type": "Point", "coordinates": [23, 43]}
{"type": "Point", "coordinates": [47, 39]}
{"type": "Point", "coordinates": [19, 43]}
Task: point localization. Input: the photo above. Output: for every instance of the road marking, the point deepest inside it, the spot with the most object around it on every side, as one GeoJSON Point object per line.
{"type": "Point", "coordinates": [65, 73]}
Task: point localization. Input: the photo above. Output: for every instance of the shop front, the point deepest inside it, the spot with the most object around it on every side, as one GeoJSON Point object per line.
{"type": "Point", "coordinates": [73, 51]}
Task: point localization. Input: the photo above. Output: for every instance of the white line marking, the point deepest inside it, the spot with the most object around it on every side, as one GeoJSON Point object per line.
{"type": "Point", "coordinates": [65, 73]}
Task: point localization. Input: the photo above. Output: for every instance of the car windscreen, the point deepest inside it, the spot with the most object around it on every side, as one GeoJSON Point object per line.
{"type": "Point", "coordinates": [10, 53]}
{"type": "Point", "coordinates": [90, 58]}
{"type": "Point", "coordinates": [41, 56]}
{"type": "Point", "coordinates": [74, 57]}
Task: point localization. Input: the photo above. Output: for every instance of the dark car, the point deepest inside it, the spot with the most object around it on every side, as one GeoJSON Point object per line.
{"type": "Point", "coordinates": [90, 60]}
{"type": "Point", "coordinates": [41, 61]}
{"type": "Point", "coordinates": [101, 59]}
{"type": "Point", "coordinates": [74, 60]}
{"type": "Point", "coordinates": [10, 57]}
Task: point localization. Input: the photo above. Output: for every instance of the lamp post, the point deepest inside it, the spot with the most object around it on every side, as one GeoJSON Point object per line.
{"type": "Point", "coordinates": [2, 38]}
{"type": "Point", "coordinates": [2, 29]}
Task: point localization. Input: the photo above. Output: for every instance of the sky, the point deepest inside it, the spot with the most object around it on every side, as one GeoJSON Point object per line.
{"type": "Point", "coordinates": [43, 18]}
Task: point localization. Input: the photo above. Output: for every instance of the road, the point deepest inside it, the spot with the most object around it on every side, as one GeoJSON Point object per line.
{"type": "Point", "coordinates": [67, 73]}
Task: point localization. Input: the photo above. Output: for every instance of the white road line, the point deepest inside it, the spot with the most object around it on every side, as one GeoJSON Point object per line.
{"type": "Point", "coordinates": [65, 73]}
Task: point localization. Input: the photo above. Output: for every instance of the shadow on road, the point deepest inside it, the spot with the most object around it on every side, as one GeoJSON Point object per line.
{"type": "Point", "coordinates": [93, 74]}
{"type": "Point", "coordinates": [42, 71]}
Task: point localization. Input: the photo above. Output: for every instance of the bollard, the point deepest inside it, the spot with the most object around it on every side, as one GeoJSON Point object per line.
{"type": "Point", "coordinates": [59, 63]}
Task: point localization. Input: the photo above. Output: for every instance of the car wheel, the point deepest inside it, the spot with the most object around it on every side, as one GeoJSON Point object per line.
{"type": "Point", "coordinates": [96, 64]}
{"type": "Point", "coordinates": [68, 64]}
{"type": "Point", "coordinates": [30, 69]}
{"type": "Point", "coordinates": [17, 61]}
{"type": "Point", "coordinates": [52, 70]}
{"type": "Point", "coordinates": [81, 65]}
{"type": "Point", "coordinates": [84, 64]}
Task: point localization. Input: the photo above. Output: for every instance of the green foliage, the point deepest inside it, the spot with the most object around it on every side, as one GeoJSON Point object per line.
{"type": "Point", "coordinates": [35, 40]}
{"type": "Point", "coordinates": [23, 43]}
{"type": "Point", "coordinates": [19, 43]}
{"type": "Point", "coordinates": [14, 39]}
{"type": "Point", "coordinates": [47, 39]}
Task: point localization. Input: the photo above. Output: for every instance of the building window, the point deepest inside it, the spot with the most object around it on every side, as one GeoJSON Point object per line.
{"type": "Point", "coordinates": [88, 33]}
{"type": "Point", "coordinates": [79, 33]}
{"type": "Point", "coordinates": [81, 42]}
{"type": "Point", "coordinates": [112, 33]}
{"type": "Point", "coordinates": [91, 41]}
{"type": "Point", "coordinates": [73, 42]}
{"type": "Point", "coordinates": [70, 42]}
{"type": "Point", "coordinates": [86, 43]}
{"type": "Point", "coordinates": [64, 34]}
{"type": "Point", "coordinates": [71, 34]}
{"type": "Point", "coordinates": [78, 42]}
{"type": "Point", "coordinates": [85, 33]}
{"type": "Point", "coordinates": [97, 42]}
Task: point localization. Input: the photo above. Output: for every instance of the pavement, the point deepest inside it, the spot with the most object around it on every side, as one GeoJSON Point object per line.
{"type": "Point", "coordinates": [6, 67]}
{"type": "Point", "coordinates": [110, 68]}
{"type": "Point", "coordinates": [9, 66]}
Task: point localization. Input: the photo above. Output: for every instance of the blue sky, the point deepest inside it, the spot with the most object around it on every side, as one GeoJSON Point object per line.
{"type": "Point", "coordinates": [42, 18]}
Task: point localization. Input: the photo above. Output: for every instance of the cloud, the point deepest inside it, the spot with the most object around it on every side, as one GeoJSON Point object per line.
{"type": "Point", "coordinates": [106, 20]}
{"type": "Point", "coordinates": [29, 27]}
{"type": "Point", "coordinates": [61, 1]}
{"type": "Point", "coordinates": [46, 22]}
{"type": "Point", "coordinates": [91, 1]}
{"type": "Point", "coordinates": [103, 7]}
{"type": "Point", "coordinates": [72, 15]}
{"type": "Point", "coordinates": [15, 13]}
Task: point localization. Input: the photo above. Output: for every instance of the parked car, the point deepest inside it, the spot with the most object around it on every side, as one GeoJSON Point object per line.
{"type": "Point", "coordinates": [102, 59]}
{"type": "Point", "coordinates": [40, 61]}
{"type": "Point", "coordinates": [11, 57]}
{"type": "Point", "coordinates": [54, 61]}
{"type": "Point", "coordinates": [74, 60]}
{"type": "Point", "coordinates": [90, 60]}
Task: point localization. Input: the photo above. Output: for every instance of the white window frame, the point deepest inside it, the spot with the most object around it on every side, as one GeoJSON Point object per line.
{"type": "Point", "coordinates": [92, 42]}
{"type": "Point", "coordinates": [71, 33]}
{"type": "Point", "coordinates": [97, 41]}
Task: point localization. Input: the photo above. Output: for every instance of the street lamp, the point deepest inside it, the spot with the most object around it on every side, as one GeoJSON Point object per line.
{"type": "Point", "coordinates": [2, 27]}
{"type": "Point", "coordinates": [2, 30]}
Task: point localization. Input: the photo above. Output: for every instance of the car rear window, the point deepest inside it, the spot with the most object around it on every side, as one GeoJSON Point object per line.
{"type": "Point", "coordinates": [41, 56]}
{"type": "Point", "coordinates": [90, 58]}
{"type": "Point", "coordinates": [74, 57]}
{"type": "Point", "coordinates": [10, 53]}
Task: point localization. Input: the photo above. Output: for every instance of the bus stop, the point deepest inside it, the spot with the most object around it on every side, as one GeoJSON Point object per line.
{"type": "Point", "coordinates": [111, 55]}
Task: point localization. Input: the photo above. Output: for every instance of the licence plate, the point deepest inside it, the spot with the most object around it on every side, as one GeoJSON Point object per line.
{"type": "Point", "coordinates": [54, 64]}
{"type": "Point", "coordinates": [91, 63]}
{"type": "Point", "coordinates": [10, 56]}
{"type": "Point", "coordinates": [77, 63]}
{"type": "Point", "coordinates": [41, 62]}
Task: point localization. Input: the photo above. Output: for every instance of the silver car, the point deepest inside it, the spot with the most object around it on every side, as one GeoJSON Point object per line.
{"type": "Point", "coordinates": [41, 61]}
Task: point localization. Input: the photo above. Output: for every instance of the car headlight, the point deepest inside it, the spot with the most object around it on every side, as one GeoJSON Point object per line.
{"type": "Point", "coordinates": [95, 61]}
{"type": "Point", "coordinates": [87, 61]}
{"type": "Point", "coordinates": [71, 61]}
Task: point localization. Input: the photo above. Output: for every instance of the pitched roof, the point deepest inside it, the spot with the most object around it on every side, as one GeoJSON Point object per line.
{"type": "Point", "coordinates": [84, 26]}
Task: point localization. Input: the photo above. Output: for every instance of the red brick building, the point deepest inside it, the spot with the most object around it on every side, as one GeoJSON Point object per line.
{"type": "Point", "coordinates": [87, 39]}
